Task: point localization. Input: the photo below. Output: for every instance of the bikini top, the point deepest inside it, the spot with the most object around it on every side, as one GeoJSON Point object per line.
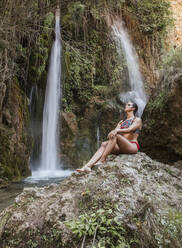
{"type": "Point", "coordinates": [128, 123]}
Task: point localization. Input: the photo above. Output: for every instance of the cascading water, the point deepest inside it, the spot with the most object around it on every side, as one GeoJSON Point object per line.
{"type": "Point", "coordinates": [50, 166]}
{"type": "Point", "coordinates": [49, 155]}
{"type": "Point", "coordinates": [124, 46]}
{"type": "Point", "coordinates": [98, 137]}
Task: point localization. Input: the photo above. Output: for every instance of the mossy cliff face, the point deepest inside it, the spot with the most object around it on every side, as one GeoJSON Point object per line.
{"type": "Point", "coordinates": [161, 137]}
{"type": "Point", "coordinates": [125, 203]}
{"type": "Point", "coordinates": [15, 144]}
{"type": "Point", "coordinates": [90, 57]}
{"type": "Point", "coordinates": [93, 73]}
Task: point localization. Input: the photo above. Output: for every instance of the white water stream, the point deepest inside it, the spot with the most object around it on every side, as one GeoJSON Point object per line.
{"type": "Point", "coordinates": [49, 155]}
{"type": "Point", "coordinates": [98, 137]}
{"type": "Point", "coordinates": [50, 165]}
{"type": "Point", "coordinates": [124, 47]}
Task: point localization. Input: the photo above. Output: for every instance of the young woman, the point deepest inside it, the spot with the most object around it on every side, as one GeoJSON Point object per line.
{"type": "Point", "coordinates": [123, 139]}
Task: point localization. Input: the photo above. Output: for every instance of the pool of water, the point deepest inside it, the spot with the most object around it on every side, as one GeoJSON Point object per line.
{"type": "Point", "coordinates": [38, 179]}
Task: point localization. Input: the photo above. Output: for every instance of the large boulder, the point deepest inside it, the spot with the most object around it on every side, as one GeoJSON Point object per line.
{"type": "Point", "coordinates": [131, 201]}
{"type": "Point", "coordinates": [161, 137]}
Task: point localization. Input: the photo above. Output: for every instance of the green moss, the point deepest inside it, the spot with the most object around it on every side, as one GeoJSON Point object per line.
{"type": "Point", "coordinates": [12, 165]}
{"type": "Point", "coordinates": [40, 54]}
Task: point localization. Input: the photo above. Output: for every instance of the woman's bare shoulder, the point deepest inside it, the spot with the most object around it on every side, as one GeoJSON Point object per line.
{"type": "Point", "coordinates": [138, 119]}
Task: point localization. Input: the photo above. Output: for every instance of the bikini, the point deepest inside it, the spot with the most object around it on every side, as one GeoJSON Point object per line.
{"type": "Point", "coordinates": [127, 124]}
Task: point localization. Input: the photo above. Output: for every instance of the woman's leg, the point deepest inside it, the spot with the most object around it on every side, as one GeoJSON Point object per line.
{"type": "Point", "coordinates": [125, 145]}
{"type": "Point", "coordinates": [119, 144]}
{"type": "Point", "coordinates": [111, 147]}
{"type": "Point", "coordinates": [96, 156]}
{"type": "Point", "coordinates": [116, 145]}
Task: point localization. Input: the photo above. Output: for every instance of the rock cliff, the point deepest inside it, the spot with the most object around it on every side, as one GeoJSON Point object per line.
{"type": "Point", "coordinates": [162, 131]}
{"type": "Point", "coordinates": [15, 144]}
{"type": "Point", "coordinates": [131, 201]}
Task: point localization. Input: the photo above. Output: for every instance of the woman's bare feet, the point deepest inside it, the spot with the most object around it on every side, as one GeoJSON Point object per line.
{"type": "Point", "coordinates": [84, 169]}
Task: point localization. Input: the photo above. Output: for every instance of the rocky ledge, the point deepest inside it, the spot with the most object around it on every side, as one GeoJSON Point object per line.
{"type": "Point", "coordinates": [131, 201]}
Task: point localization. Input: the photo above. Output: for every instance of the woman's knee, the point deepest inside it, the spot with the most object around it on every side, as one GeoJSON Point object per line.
{"type": "Point", "coordinates": [118, 136]}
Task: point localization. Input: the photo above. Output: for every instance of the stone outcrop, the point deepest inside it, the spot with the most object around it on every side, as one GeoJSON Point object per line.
{"type": "Point", "coordinates": [161, 137]}
{"type": "Point", "coordinates": [15, 144]}
{"type": "Point", "coordinates": [143, 195]}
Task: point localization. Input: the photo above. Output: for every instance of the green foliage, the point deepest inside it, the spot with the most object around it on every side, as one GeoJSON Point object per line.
{"type": "Point", "coordinates": [153, 15]}
{"type": "Point", "coordinates": [39, 56]}
{"type": "Point", "coordinates": [19, 33]}
{"type": "Point", "coordinates": [171, 230]}
{"type": "Point", "coordinates": [102, 228]}
{"type": "Point", "coordinates": [173, 58]}
{"type": "Point", "coordinates": [158, 102]}
{"type": "Point", "coordinates": [90, 61]}
{"type": "Point", "coordinates": [77, 11]}
{"type": "Point", "coordinates": [74, 18]}
{"type": "Point", "coordinates": [79, 78]}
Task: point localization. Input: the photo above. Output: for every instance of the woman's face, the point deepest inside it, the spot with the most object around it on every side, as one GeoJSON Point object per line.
{"type": "Point", "coordinates": [129, 107]}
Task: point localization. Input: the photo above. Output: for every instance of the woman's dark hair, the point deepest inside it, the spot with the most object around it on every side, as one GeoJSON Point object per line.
{"type": "Point", "coordinates": [134, 106]}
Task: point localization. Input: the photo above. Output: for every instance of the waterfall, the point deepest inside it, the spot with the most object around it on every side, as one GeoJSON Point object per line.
{"type": "Point", "coordinates": [124, 47]}
{"type": "Point", "coordinates": [49, 155]}
{"type": "Point", "coordinates": [50, 165]}
{"type": "Point", "coordinates": [98, 137]}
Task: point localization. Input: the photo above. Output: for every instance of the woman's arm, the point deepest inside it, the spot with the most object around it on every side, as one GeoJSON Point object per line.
{"type": "Point", "coordinates": [137, 124]}
{"type": "Point", "coordinates": [114, 132]}
{"type": "Point", "coordinates": [118, 125]}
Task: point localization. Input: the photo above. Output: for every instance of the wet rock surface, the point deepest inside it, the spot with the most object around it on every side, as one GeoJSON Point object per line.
{"type": "Point", "coordinates": [141, 191]}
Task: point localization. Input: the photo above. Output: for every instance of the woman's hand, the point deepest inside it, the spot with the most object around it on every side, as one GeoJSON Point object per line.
{"type": "Point", "coordinates": [112, 134]}
{"type": "Point", "coordinates": [119, 124]}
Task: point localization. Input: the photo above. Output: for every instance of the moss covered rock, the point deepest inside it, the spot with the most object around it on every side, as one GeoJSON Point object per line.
{"type": "Point", "coordinates": [15, 144]}
{"type": "Point", "coordinates": [162, 132]}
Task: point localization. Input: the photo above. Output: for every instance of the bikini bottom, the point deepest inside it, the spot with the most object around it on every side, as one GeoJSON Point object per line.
{"type": "Point", "coordinates": [134, 142]}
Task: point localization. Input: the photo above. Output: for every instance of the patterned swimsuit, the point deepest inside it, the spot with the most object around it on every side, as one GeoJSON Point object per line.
{"type": "Point", "coordinates": [127, 124]}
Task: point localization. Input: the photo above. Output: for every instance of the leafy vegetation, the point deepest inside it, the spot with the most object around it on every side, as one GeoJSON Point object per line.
{"type": "Point", "coordinates": [153, 15]}
{"type": "Point", "coordinates": [78, 70]}
{"type": "Point", "coordinates": [102, 228]}
{"type": "Point", "coordinates": [40, 54]}
{"type": "Point", "coordinates": [19, 34]}
{"type": "Point", "coordinates": [173, 58]}
{"type": "Point", "coordinates": [158, 102]}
